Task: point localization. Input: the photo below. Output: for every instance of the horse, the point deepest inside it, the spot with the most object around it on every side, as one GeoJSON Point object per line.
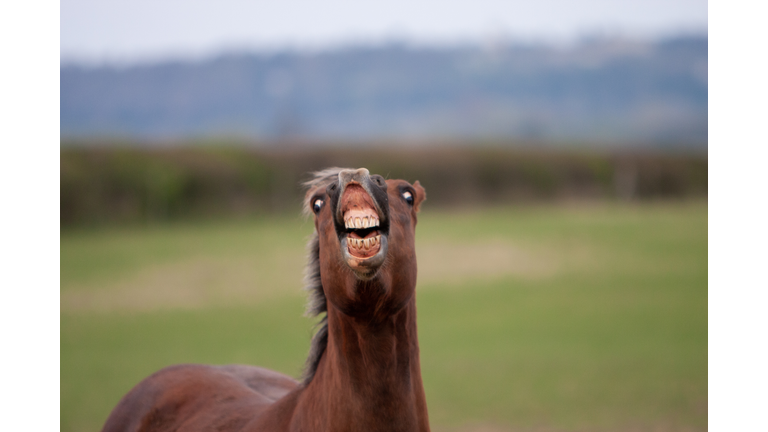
{"type": "Point", "coordinates": [363, 371]}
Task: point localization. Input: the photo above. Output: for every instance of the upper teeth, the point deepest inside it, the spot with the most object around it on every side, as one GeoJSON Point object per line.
{"type": "Point", "coordinates": [361, 222]}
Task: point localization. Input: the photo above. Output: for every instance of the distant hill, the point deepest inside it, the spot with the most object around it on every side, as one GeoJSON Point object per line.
{"type": "Point", "coordinates": [597, 91]}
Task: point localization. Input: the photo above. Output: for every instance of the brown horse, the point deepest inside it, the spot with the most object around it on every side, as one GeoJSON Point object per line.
{"type": "Point", "coordinates": [363, 370]}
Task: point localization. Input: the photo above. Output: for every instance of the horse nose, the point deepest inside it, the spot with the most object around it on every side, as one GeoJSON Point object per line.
{"type": "Point", "coordinates": [358, 175]}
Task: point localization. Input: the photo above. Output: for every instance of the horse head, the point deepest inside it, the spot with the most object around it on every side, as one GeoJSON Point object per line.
{"type": "Point", "coordinates": [365, 228]}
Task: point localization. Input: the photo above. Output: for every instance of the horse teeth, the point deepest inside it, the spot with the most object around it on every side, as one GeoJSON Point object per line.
{"type": "Point", "coordinates": [365, 244]}
{"type": "Point", "coordinates": [365, 222]}
{"type": "Point", "coordinates": [374, 222]}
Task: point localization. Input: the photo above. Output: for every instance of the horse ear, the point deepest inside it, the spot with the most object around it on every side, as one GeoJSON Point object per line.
{"type": "Point", "coordinates": [421, 195]}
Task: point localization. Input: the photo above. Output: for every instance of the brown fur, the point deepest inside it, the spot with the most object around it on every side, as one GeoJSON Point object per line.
{"type": "Point", "coordinates": [363, 371]}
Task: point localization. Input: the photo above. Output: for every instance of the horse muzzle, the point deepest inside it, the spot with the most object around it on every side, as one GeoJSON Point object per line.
{"type": "Point", "coordinates": [362, 221]}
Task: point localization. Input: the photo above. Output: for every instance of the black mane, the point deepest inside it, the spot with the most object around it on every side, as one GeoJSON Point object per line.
{"type": "Point", "coordinates": [312, 282]}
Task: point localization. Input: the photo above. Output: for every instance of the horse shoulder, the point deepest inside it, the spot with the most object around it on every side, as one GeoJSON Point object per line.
{"type": "Point", "coordinates": [270, 384]}
{"type": "Point", "coordinates": [199, 397]}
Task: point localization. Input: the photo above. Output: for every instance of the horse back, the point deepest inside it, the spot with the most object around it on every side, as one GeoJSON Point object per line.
{"type": "Point", "coordinates": [198, 397]}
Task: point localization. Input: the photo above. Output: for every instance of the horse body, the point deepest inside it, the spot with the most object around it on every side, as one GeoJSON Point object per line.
{"type": "Point", "coordinates": [363, 373]}
{"type": "Point", "coordinates": [199, 397]}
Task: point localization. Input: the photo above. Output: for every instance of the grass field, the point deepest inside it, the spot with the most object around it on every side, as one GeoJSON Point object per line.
{"type": "Point", "coordinates": [568, 317]}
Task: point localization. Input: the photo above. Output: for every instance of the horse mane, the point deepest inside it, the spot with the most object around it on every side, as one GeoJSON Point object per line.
{"type": "Point", "coordinates": [316, 304]}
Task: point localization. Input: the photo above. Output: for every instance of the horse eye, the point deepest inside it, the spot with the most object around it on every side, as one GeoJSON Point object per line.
{"type": "Point", "coordinates": [408, 197]}
{"type": "Point", "coordinates": [317, 205]}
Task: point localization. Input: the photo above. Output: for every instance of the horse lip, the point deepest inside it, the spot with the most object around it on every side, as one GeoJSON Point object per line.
{"type": "Point", "coordinates": [339, 211]}
{"type": "Point", "coordinates": [359, 177]}
{"type": "Point", "coordinates": [365, 268]}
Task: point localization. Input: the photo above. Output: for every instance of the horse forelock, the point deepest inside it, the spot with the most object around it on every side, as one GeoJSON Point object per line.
{"type": "Point", "coordinates": [313, 284]}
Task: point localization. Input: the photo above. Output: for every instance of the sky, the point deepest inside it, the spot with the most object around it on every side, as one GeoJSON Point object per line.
{"type": "Point", "coordinates": [138, 30]}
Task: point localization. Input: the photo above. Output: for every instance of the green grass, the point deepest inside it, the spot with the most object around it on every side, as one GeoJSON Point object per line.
{"type": "Point", "coordinates": [612, 335]}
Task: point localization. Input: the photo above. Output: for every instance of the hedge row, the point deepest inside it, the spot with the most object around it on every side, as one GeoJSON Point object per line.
{"type": "Point", "coordinates": [122, 185]}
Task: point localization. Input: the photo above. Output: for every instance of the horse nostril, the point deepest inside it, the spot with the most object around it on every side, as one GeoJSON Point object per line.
{"type": "Point", "coordinates": [331, 187]}
{"type": "Point", "coordinates": [379, 180]}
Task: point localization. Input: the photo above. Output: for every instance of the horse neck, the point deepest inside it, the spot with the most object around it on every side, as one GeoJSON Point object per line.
{"type": "Point", "coordinates": [369, 377]}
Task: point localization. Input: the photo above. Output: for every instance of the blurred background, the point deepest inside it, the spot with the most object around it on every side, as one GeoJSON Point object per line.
{"type": "Point", "coordinates": [563, 146]}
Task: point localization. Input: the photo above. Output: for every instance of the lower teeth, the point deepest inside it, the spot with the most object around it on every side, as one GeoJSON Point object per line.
{"type": "Point", "coordinates": [365, 244]}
